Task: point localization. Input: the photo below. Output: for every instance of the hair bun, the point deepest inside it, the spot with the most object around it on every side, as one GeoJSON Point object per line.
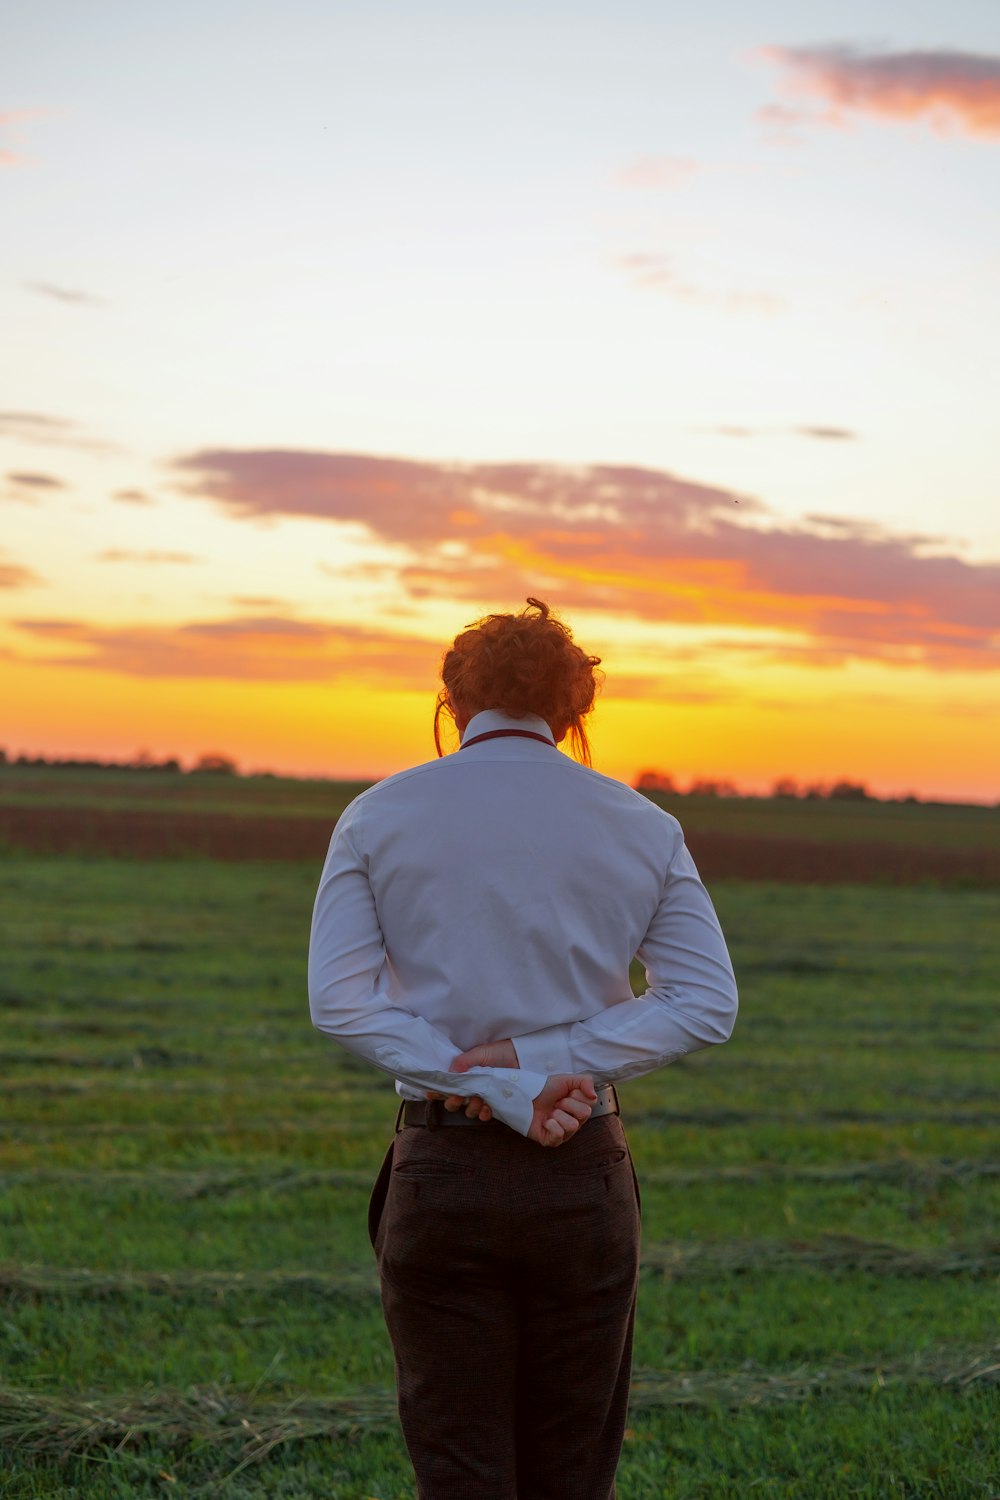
{"type": "Point", "coordinates": [521, 664]}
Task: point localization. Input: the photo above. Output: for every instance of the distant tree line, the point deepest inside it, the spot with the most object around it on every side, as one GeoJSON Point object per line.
{"type": "Point", "coordinates": [212, 763]}
{"type": "Point", "coordinates": [786, 787]}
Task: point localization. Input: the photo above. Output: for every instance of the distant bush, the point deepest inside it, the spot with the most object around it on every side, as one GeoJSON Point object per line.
{"type": "Point", "coordinates": [215, 764]}
{"type": "Point", "coordinates": [656, 781]}
{"type": "Point", "coordinates": [849, 791]}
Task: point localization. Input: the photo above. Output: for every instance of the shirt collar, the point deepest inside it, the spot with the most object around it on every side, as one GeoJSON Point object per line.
{"type": "Point", "coordinates": [492, 718]}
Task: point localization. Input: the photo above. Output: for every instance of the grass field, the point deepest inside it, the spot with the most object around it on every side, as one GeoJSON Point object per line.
{"type": "Point", "coordinates": [189, 1306]}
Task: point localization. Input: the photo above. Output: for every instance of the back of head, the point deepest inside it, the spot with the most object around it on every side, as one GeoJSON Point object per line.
{"type": "Point", "coordinates": [521, 664]}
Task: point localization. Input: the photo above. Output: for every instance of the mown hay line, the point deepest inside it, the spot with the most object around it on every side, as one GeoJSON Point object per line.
{"type": "Point", "coordinates": [655, 1119]}
{"type": "Point", "coordinates": [920, 1174]}
{"type": "Point", "coordinates": [58, 1425]}
{"type": "Point", "coordinates": [672, 1260]}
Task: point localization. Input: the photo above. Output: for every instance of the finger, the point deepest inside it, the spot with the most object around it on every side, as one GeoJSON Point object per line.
{"type": "Point", "coordinates": [553, 1130]}
{"type": "Point", "coordinates": [430, 1094]}
{"type": "Point", "coordinates": [580, 1109]}
{"type": "Point", "coordinates": [473, 1105]}
{"type": "Point", "coordinates": [465, 1060]}
{"type": "Point", "coordinates": [569, 1123]}
{"type": "Point", "coordinates": [453, 1102]}
{"type": "Point", "coordinates": [485, 1113]}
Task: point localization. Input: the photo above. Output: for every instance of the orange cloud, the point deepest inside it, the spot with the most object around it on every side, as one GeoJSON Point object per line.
{"type": "Point", "coordinates": [15, 576]}
{"type": "Point", "coordinates": [950, 91]}
{"type": "Point", "coordinates": [641, 543]}
{"type": "Point", "coordinates": [124, 554]}
{"type": "Point", "coordinates": [246, 648]}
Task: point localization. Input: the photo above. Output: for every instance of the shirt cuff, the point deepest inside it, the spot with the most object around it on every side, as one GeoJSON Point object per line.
{"type": "Point", "coordinates": [510, 1093]}
{"type": "Point", "coordinates": [546, 1051]}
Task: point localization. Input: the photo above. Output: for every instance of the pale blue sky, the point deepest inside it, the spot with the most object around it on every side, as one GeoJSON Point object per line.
{"type": "Point", "coordinates": [400, 226]}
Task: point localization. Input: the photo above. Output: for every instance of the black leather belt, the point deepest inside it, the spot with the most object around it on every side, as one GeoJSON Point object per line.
{"type": "Point", "coordinates": [431, 1112]}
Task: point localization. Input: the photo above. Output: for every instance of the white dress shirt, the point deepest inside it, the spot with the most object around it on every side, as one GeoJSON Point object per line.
{"type": "Point", "coordinates": [502, 891]}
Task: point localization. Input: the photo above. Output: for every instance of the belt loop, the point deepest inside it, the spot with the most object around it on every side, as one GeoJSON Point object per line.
{"type": "Point", "coordinates": [433, 1114]}
{"type": "Point", "coordinates": [399, 1115]}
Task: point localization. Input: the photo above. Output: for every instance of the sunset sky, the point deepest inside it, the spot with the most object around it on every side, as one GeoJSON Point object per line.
{"type": "Point", "coordinates": [330, 327]}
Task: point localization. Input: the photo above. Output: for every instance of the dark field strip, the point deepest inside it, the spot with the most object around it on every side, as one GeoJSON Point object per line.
{"type": "Point", "coordinates": [43, 1423]}
{"type": "Point", "coordinates": [667, 1260]}
{"type": "Point", "coordinates": [146, 834]}
{"type": "Point", "coordinates": [922, 1175]}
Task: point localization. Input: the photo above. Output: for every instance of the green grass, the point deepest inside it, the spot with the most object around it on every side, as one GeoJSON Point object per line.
{"type": "Point", "coordinates": [186, 1285]}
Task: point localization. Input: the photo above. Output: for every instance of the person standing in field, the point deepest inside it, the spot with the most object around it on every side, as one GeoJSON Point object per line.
{"type": "Point", "coordinates": [472, 935]}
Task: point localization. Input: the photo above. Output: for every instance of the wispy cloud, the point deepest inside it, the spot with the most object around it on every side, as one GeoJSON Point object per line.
{"type": "Point", "coordinates": [651, 172]}
{"type": "Point", "coordinates": [828, 434]}
{"type": "Point", "coordinates": [782, 123]}
{"type": "Point", "coordinates": [125, 555]}
{"type": "Point", "coordinates": [949, 91]}
{"type": "Point", "coordinates": [35, 482]}
{"type": "Point", "coordinates": [66, 294]}
{"type": "Point", "coordinates": [656, 272]}
{"type": "Point", "coordinates": [14, 121]}
{"type": "Point", "coordinates": [642, 543]}
{"type": "Point", "coordinates": [42, 430]}
{"type": "Point", "coordinates": [248, 648]}
{"type": "Point", "coordinates": [823, 432]}
{"type": "Point", "coordinates": [133, 497]}
{"type": "Point", "coordinates": [15, 575]}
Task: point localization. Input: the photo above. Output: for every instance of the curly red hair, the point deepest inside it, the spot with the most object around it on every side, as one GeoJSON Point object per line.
{"type": "Point", "coordinates": [521, 664]}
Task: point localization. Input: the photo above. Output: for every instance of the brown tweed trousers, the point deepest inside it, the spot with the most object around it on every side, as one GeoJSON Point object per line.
{"type": "Point", "coordinates": [508, 1285]}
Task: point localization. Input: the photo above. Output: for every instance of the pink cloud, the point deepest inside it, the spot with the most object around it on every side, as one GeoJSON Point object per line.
{"type": "Point", "coordinates": [642, 543]}
{"type": "Point", "coordinates": [952, 92]}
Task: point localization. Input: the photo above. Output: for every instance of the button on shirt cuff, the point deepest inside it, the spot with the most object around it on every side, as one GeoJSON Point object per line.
{"type": "Point", "coordinates": [546, 1051]}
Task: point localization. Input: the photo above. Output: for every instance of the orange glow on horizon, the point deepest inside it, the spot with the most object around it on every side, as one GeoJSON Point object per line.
{"type": "Point", "coordinates": [352, 729]}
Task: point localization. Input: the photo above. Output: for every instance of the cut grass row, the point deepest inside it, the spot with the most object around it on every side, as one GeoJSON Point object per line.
{"type": "Point", "coordinates": [884, 1443]}
{"type": "Point", "coordinates": [669, 1260]}
{"type": "Point", "coordinates": [185, 1177]}
{"type": "Point", "coordinates": [926, 1175]}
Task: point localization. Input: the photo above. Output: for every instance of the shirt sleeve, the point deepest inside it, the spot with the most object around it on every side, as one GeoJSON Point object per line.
{"type": "Point", "coordinates": [348, 996]}
{"type": "Point", "coordinates": [690, 1002]}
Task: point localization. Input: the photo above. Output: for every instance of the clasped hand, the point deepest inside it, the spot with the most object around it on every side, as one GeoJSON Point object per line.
{"type": "Point", "coordinates": [560, 1109]}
